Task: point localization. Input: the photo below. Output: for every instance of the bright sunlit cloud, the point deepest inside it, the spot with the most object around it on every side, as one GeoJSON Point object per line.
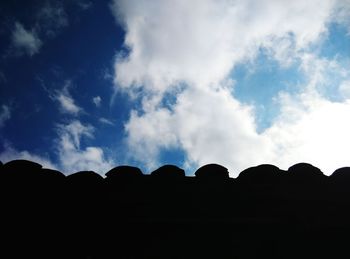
{"type": "Point", "coordinates": [188, 48]}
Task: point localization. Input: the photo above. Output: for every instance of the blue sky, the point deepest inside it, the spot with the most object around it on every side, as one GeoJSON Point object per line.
{"type": "Point", "coordinates": [89, 85]}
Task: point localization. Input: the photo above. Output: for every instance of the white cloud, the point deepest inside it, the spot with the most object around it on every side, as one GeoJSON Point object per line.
{"type": "Point", "coordinates": [150, 132]}
{"type": "Point", "coordinates": [213, 128]}
{"type": "Point", "coordinates": [97, 101]}
{"type": "Point", "coordinates": [106, 121]}
{"type": "Point", "coordinates": [344, 89]}
{"type": "Point", "coordinates": [25, 41]}
{"type": "Point", "coordinates": [67, 104]}
{"type": "Point", "coordinates": [199, 42]}
{"type": "Point", "coordinates": [188, 48]}
{"type": "Point", "coordinates": [11, 153]}
{"type": "Point", "coordinates": [311, 129]}
{"type": "Point", "coordinates": [72, 156]}
{"type": "Point", "coordinates": [66, 101]}
{"type": "Point", "coordinates": [5, 114]}
{"type": "Point", "coordinates": [71, 134]}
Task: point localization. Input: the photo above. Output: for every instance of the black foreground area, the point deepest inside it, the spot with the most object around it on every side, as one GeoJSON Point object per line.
{"type": "Point", "coordinates": [263, 213]}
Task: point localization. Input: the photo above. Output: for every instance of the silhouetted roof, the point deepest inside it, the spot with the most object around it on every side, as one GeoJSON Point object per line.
{"type": "Point", "coordinates": [54, 174]}
{"type": "Point", "coordinates": [261, 174]}
{"type": "Point", "coordinates": [341, 175]}
{"type": "Point", "coordinates": [21, 171]}
{"type": "Point", "coordinates": [304, 172]}
{"type": "Point", "coordinates": [85, 178]}
{"type": "Point", "coordinates": [124, 171]}
{"type": "Point", "coordinates": [169, 172]}
{"type": "Point", "coordinates": [141, 211]}
{"type": "Point", "coordinates": [212, 171]}
{"type": "Point", "coordinates": [21, 165]}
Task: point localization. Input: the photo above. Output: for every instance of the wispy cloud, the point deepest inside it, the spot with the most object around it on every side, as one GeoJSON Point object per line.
{"type": "Point", "coordinates": [48, 21]}
{"type": "Point", "coordinates": [5, 114]}
{"type": "Point", "coordinates": [72, 156]}
{"type": "Point", "coordinates": [97, 101]}
{"type": "Point", "coordinates": [66, 101]}
{"type": "Point", "coordinates": [67, 104]}
{"type": "Point", "coordinates": [25, 41]}
{"type": "Point", "coordinates": [10, 153]}
{"type": "Point", "coordinates": [51, 18]}
{"type": "Point", "coordinates": [106, 121]}
{"type": "Point", "coordinates": [84, 4]}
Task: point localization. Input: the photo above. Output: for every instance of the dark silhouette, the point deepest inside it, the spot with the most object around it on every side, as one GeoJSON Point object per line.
{"type": "Point", "coordinates": [124, 172]}
{"type": "Point", "coordinates": [212, 172]}
{"type": "Point", "coordinates": [262, 174]}
{"type": "Point", "coordinates": [265, 212]}
{"type": "Point", "coordinates": [170, 172]}
{"type": "Point", "coordinates": [341, 177]}
{"type": "Point", "coordinates": [305, 173]}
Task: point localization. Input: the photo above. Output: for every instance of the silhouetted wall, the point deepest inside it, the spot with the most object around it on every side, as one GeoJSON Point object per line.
{"type": "Point", "coordinates": [263, 213]}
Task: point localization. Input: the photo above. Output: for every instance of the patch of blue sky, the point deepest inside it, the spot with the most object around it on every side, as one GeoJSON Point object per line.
{"type": "Point", "coordinates": [337, 42]}
{"type": "Point", "coordinates": [169, 99]}
{"type": "Point", "coordinates": [258, 83]}
{"type": "Point", "coordinates": [81, 55]}
{"type": "Point", "coordinates": [174, 156]}
{"type": "Point", "coordinates": [32, 111]}
{"type": "Point", "coordinates": [335, 47]}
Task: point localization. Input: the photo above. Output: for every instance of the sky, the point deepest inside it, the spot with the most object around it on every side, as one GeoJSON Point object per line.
{"type": "Point", "coordinates": [90, 85]}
